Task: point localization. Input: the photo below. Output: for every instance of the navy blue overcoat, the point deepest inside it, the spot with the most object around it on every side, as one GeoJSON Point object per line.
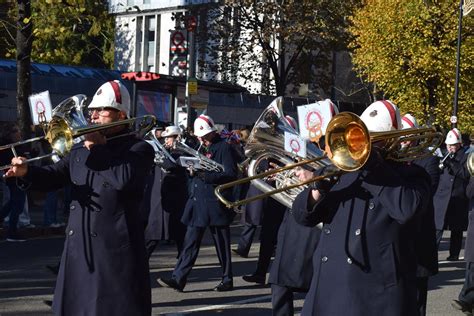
{"type": "Point", "coordinates": [426, 248]}
{"type": "Point", "coordinates": [469, 247]}
{"type": "Point", "coordinates": [203, 208]}
{"type": "Point", "coordinates": [293, 266]}
{"type": "Point", "coordinates": [450, 201]}
{"type": "Point", "coordinates": [104, 268]}
{"type": "Point", "coordinates": [365, 261]}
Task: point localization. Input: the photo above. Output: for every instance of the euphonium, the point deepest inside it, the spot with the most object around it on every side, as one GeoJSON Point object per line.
{"type": "Point", "coordinates": [266, 141]}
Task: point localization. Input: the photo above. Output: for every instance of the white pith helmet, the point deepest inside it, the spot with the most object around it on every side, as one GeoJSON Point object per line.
{"type": "Point", "coordinates": [203, 125]}
{"type": "Point", "coordinates": [382, 116]}
{"type": "Point", "coordinates": [171, 131]}
{"type": "Point", "coordinates": [453, 137]}
{"type": "Point", "coordinates": [112, 94]}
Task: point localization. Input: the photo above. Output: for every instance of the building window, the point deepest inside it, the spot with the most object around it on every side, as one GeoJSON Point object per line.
{"type": "Point", "coordinates": [150, 31]}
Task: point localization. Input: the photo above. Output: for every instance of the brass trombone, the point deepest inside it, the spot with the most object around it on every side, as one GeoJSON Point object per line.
{"type": "Point", "coordinates": [68, 123]}
{"type": "Point", "coordinates": [348, 146]}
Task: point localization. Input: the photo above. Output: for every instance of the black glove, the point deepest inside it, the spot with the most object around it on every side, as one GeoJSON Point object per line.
{"type": "Point", "coordinates": [324, 185]}
{"type": "Point", "coordinates": [452, 164]}
{"type": "Point", "coordinates": [375, 158]}
{"type": "Point", "coordinates": [199, 173]}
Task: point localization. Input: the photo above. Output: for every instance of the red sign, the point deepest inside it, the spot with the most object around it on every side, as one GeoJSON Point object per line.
{"type": "Point", "coordinates": [178, 42]}
{"type": "Point", "coordinates": [140, 76]}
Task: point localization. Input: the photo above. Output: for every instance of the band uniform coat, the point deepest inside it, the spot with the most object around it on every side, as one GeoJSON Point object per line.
{"type": "Point", "coordinates": [469, 247]}
{"type": "Point", "coordinates": [365, 261]}
{"type": "Point", "coordinates": [292, 266]}
{"type": "Point", "coordinates": [203, 208]}
{"type": "Point", "coordinates": [450, 201]}
{"type": "Point", "coordinates": [426, 248]}
{"type": "Point", "coordinates": [104, 269]}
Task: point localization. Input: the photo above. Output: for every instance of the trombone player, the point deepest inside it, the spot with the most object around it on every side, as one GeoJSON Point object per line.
{"type": "Point", "coordinates": [366, 249]}
{"type": "Point", "coordinates": [103, 270]}
{"type": "Point", "coordinates": [450, 200]}
{"type": "Point", "coordinates": [425, 242]}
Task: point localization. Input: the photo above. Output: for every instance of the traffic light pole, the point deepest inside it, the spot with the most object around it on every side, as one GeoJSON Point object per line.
{"type": "Point", "coordinates": [190, 73]}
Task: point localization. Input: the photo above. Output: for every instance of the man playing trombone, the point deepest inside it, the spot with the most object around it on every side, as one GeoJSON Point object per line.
{"type": "Point", "coordinates": [365, 263]}
{"type": "Point", "coordinates": [450, 200]}
{"type": "Point", "coordinates": [103, 270]}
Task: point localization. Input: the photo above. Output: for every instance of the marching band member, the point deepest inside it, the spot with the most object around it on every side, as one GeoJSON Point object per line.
{"type": "Point", "coordinates": [103, 268]}
{"type": "Point", "coordinates": [425, 243]}
{"type": "Point", "coordinates": [465, 301]}
{"type": "Point", "coordinates": [272, 213]}
{"type": "Point", "coordinates": [165, 197]}
{"type": "Point", "coordinates": [174, 190]}
{"type": "Point", "coordinates": [203, 209]}
{"type": "Point", "coordinates": [365, 263]}
{"type": "Point", "coordinates": [450, 201]}
{"type": "Point", "coordinates": [292, 268]}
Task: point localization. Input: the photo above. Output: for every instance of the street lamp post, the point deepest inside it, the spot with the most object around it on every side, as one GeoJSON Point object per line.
{"type": "Point", "coordinates": [191, 69]}
{"type": "Point", "coordinates": [464, 9]}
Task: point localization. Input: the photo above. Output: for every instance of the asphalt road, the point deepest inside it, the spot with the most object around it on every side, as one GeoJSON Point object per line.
{"type": "Point", "coordinates": [25, 282]}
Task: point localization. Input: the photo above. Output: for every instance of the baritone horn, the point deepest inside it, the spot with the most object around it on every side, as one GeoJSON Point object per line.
{"type": "Point", "coordinates": [348, 146]}
{"type": "Point", "coordinates": [69, 123]}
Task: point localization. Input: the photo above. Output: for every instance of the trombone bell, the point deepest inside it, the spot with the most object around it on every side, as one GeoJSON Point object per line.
{"type": "Point", "coordinates": [60, 136]}
{"type": "Point", "coordinates": [347, 141]}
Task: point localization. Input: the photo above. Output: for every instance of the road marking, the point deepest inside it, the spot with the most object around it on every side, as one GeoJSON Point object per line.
{"type": "Point", "coordinates": [223, 306]}
{"type": "Point", "coordinates": [461, 259]}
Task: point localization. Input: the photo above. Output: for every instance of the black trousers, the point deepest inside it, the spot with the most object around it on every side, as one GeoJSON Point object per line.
{"type": "Point", "coordinates": [246, 238]}
{"type": "Point", "coordinates": [467, 292]}
{"type": "Point", "coordinates": [422, 294]}
{"type": "Point", "coordinates": [455, 244]}
{"type": "Point", "coordinates": [191, 246]}
{"type": "Point", "coordinates": [282, 300]}
{"type": "Point", "coordinates": [455, 241]}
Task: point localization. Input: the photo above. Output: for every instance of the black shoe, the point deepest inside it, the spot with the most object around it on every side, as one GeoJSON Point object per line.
{"type": "Point", "coordinates": [462, 306]}
{"type": "Point", "coordinates": [15, 238]}
{"type": "Point", "coordinates": [452, 258]}
{"type": "Point", "coordinates": [54, 269]}
{"type": "Point", "coordinates": [223, 287]}
{"type": "Point", "coordinates": [240, 253]}
{"type": "Point", "coordinates": [170, 283]}
{"type": "Point", "coordinates": [254, 278]}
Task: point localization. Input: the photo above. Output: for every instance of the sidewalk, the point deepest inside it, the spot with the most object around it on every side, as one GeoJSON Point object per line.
{"type": "Point", "coordinates": [35, 210]}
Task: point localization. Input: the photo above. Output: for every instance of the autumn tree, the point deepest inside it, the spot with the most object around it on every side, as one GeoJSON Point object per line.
{"type": "Point", "coordinates": [407, 49]}
{"type": "Point", "coordinates": [278, 44]}
{"type": "Point", "coordinates": [7, 28]}
{"type": "Point", "coordinates": [72, 32]}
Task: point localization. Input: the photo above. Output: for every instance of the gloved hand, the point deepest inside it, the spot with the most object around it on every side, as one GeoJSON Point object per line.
{"type": "Point", "coordinates": [452, 164]}
{"type": "Point", "coordinates": [324, 185]}
{"type": "Point", "coordinates": [375, 158]}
